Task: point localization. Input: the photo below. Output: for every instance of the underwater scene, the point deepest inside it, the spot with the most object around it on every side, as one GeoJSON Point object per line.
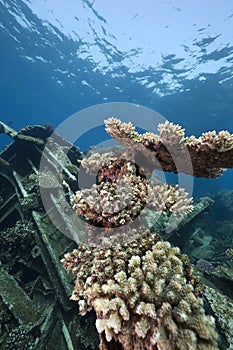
{"type": "Point", "coordinates": [116, 175]}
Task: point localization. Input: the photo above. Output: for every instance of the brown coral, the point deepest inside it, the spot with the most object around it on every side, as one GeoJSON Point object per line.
{"type": "Point", "coordinates": [141, 288]}
{"type": "Point", "coordinates": [172, 151]}
{"type": "Point", "coordinates": [142, 294]}
{"type": "Point", "coordinates": [123, 192]}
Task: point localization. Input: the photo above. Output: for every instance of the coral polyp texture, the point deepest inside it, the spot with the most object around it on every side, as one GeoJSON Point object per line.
{"type": "Point", "coordinates": [143, 294]}
{"type": "Point", "coordinates": [122, 193]}
{"type": "Point", "coordinates": [140, 287]}
{"type": "Point", "coordinates": [209, 153]}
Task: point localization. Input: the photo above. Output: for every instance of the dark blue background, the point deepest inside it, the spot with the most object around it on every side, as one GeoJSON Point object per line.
{"type": "Point", "coordinates": [30, 92]}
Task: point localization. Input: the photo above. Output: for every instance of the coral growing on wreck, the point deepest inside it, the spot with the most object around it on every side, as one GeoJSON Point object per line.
{"type": "Point", "coordinates": [18, 237]}
{"type": "Point", "coordinates": [209, 153]}
{"type": "Point", "coordinates": [142, 289]}
{"type": "Point", "coordinates": [86, 331]}
{"type": "Point", "coordinates": [223, 311]}
{"type": "Point", "coordinates": [143, 295]}
{"type": "Point", "coordinates": [205, 266]}
{"type": "Point", "coordinates": [19, 339]}
{"type": "Point", "coordinates": [123, 192]}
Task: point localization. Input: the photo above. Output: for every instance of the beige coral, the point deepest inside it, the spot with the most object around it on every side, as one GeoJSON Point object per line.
{"type": "Point", "coordinates": [112, 204]}
{"type": "Point", "coordinates": [221, 142]}
{"type": "Point", "coordinates": [141, 288]}
{"type": "Point", "coordinates": [93, 163]}
{"type": "Point", "coordinates": [165, 198]}
{"type": "Point", "coordinates": [170, 134]}
{"type": "Point", "coordinates": [172, 151]}
{"type": "Point", "coordinates": [146, 302]}
{"type": "Point", "coordinates": [123, 193]}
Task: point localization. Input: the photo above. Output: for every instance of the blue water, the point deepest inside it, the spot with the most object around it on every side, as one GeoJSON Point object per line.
{"type": "Point", "coordinates": [60, 57]}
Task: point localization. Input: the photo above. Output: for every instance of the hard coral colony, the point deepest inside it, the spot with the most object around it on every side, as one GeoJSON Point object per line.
{"type": "Point", "coordinates": [140, 287]}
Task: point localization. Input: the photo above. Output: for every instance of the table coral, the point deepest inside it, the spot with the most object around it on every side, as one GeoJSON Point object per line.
{"type": "Point", "coordinates": [209, 153]}
{"type": "Point", "coordinates": [143, 295]}
{"type": "Point", "coordinates": [141, 288]}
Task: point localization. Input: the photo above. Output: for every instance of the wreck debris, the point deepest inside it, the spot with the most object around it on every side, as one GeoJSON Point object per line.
{"type": "Point", "coordinates": [229, 253]}
{"type": "Point", "coordinates": [172, 227]}
{"type": "Point", "coordinates": [223, 312]}
{"type": "Point", "coordinates": [34, 288]}
{"type": "Point", "coordinates": [17, 300]}
{"type": "Point", "coordinates": [6, 129]}
{"type": "Point", "coordinates": [37, 273]}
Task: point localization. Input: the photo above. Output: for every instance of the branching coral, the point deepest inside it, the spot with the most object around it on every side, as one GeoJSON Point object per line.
{"type": "Point", "coordinates": [143, 295]}
{"type": "Point", "coordinates": [123, 192]}
{"type": "Point", "coordinates": [209, 153]}
{"type": "Point", "coordinates": [141, 288]}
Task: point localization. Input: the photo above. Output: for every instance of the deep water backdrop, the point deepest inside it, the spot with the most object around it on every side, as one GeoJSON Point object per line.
{"type": "Point", "coordinates": [174, 56]}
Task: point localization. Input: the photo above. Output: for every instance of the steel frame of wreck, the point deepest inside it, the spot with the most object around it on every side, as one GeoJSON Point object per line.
{"type": "Point", "coordinates": [43, 308]}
